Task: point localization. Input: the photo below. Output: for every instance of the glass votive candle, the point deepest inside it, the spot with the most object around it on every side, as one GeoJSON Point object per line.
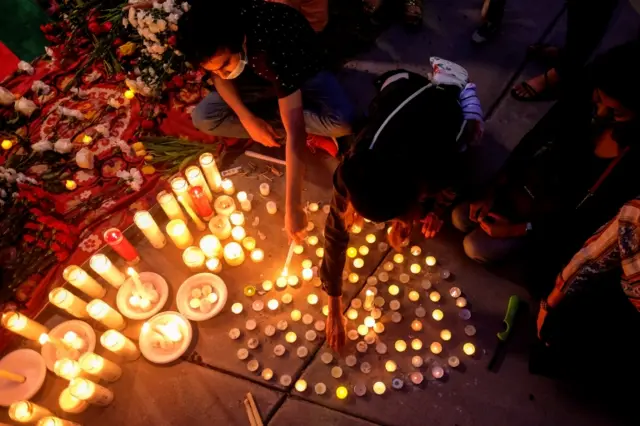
{"type": "Point", "coordinates": [400, 345]}
{"type": "Point", "coordinates": [370, 238]}
{"type": "Point", "coordinates": [469, 349]}
{"type": "Point", "coordinates": [194, 258]}
{"type": "Point", "coordinates": [170, 206]}
{"type": "Point", "coordinates": [430, 261]}
{"type": "Point", "coordinates": [358, 263]}
{"type": "Point", "coordinates": [434, 296]}
{"type": "Point", "coordinates": [445, 335]}
{"type": "Point", "coordinates": [437, 314]}
{"type": "Point", "coordinates": [107, 270]}
{"type": "Point", "coordinates": [179, 234]}
{"type": "Point", "coordinates": [415, 268]}
{"type": "Point", "coordinates": [121, 245]}
{"type": "Point", "coordinates": [257, 255]}
{"type": "Point", "coordinates": [233, 254]}
{"type": "Point", "coordinates": [435, 347]}
{"type": "Point", "coordinates": [210, 246]}
{"type": "Point", "coordinates": [227, 187]}
{"type": "Point", "coordinates": [224, 205]}
{"type": "Point", "coordinates": [236, 218]}
{"type": "Point", "coordinates": [238, 233]}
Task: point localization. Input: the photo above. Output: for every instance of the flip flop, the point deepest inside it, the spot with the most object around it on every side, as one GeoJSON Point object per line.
{"type": "Point", "coordinates": [532, 95]}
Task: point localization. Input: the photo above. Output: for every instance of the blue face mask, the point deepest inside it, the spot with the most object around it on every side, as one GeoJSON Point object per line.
{"type": "Point", "coordinates": [238, 69]}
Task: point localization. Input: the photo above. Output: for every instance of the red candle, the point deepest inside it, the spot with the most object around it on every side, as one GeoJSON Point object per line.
{"type": "Point", "coordinates": [201, 202]}
{"type": "Point", "coordinates": [121, 245]}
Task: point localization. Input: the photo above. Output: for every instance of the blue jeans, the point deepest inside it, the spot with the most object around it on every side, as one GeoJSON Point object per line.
{"type": "Point", "coordinates": [327, 111]}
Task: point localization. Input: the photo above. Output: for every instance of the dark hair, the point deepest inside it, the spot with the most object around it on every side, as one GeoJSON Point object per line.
{"type": "Point", "coordinates": [209, 26]}
{"type": "Point", "coordinates": [614, 72]}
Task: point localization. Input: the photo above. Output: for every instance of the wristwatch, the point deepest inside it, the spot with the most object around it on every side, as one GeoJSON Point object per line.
{"type": "Point", "coordinates": [529, 227]}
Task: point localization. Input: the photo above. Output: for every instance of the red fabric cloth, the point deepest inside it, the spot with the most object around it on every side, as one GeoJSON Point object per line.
{"type": "Point", "coordinates": [8, 61]}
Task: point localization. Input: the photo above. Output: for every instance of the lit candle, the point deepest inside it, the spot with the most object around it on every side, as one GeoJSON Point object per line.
{"type": "Point", "coordinates": [78, 278]}
{"type": "Point", "coordinates": [224, 205]}
{"type": "Point", "coordinates": [170, 206]}
{"type": "Point", "coordinates": [370, 238]}
{"type": "Point", "coordinates": [301, 385]}
{"type": "Point", "coordinates": [214, 265]}
{"type": "Point", "coordinates": [120, 345]}
{"type": "Point", "coordinates": [70, 404]}
{"type": "Point", "coordinates": [245, 205]}
{"type": "Point", "coordinates": [313, 240]}
{"type": "Point", "coordinates": [394, 290]}
{"type": "Point", "coordinates": [257, 255]}
{"type": "Point", "coordinates": [129, 94]}
{"type": "Point", "coordinates": [356, 229]}
{"type": "Point", "coordinates": [67, 369]}
{"type": "Point", "coordinates": [210, 170]}
{"type": "Point", "coordinates": [469, 349]}
{"type": "Point", "coordinates": [416, 250]}
{"type": "Point", "coordinates": [233, 254]}
{"type": "Point", "coordinates": [292, 280]}
{"type": "Point", "coordinates": [445, 335]}
{"type": "Point", "coordinates": [105, 314]}
{"type": "Point", "coordinates": [195, 178]}
{"type": "Point", "coordinates": [400, 345]}
{"type": "Point", "coordinates": [415, 268]}
{"type": "Point", "coordinates": [70, 184]}
{"type": "Point", "coordinates": [236, 218]}
{"type": "Point", "coordinates": [273, 304]}
{"type": "Point", "coordinates": [414, 296]}
{"type": "Point", "coordinates": [180, 187]}
{"type": "Point", "coordinates": [67, 301]}
{"type": "Point", "coordinates": [368, 301]}
{"type": "Point", "coordinates": [192, 214]}
{"type": "Point", "coordinates": [170, 331]}
{"type": "Point", "coordinates": [193, 257]}
{"type": "Point", "coordinates": [179, 233]}
{"type": "Point", "coordinates": [416, 344]}
{"type": "Point", "coordinates": [430, 261]}
{"type": "Point", "coordinates": [100, 367]}
{"type": "Point", "coordinates": [237, 308]}
{"type": "Point", "coordinates": [27, 412]}
{"type": "Point", "coordinates": [353, 278]}
{"type": "Point", "coordinates": [435, 347]}
{"type": "Point", "coordinates": [390, 366]}
{"type": "Point", "coordinates": [90, 392]}
{"type": "Point", "coordinates": [453, 361]}
{"type": "Point", "coordinates": [227, 187]}
{"type": "Point", "coordinates": [55, 421]}
{"type": "Point", "coordinates": [461, 302]}
{"type": "Point", "coordinates": [201, 203]}
{"type": "Point", "coordinates": [398, 258]}
{"type": "Point", "coordinates": [434, 296]}
{"type": "Point", "coordinates": [57, 343]}
{"type": "Point", "coordinates": [416, 325]}
{"type": "Point", "coordinates": [103, 266]}
{"type": "Point", "coordinates": [341, 392]}
{"type": "Point", "coordinates": [455, 292]}
{"type": "Point", "coordinates": [150, 229]}
{"type": "Point", "coordinates": [363, 250]}
{"type": "Point", "coordinates": [220, 227]}
{"type": "Point", "coordinates": [210, 246]}
{"type": "Point", "coordinates": [358, 263]}
{"type": "Point", "coordinates": [352, 252]}
{"type": "Point", "coordinates": [320, 252]}
{"type": "Point", "coordinates": [379, 388]}
{"type": "Point", "coordinates": [291, 337]}
{"type": "Point", "coordinates": [370, 322]}
{"type": "Point", "coordinates": [437, 314]}
{"type": "Point", "coordinates": [281, 282]}
{"type": "Point", "coordinates": [312, 299]}
{"type": "Point", "coordinates": [264, 189]}
{"type": "Point", "coordinates": [307, 274]}
{"type": "Point", "coordinates": [116, 240]}
{"type": "Point", "coordinates": [7, 144]}
{"type": "Point", "coordinates": [238, 233]}
{"type": "Point", "coordinates": [25, 327]}
{"type": "Point", "coordinates": [272, 208]}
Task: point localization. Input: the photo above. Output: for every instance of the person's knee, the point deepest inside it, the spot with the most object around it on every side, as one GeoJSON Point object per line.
{"type": "Point", "coordinates": [475, 249]}
{"type": "Point", "coordinates": [460, 217]}
{"type": "Point", "coordinates": [209, 113]}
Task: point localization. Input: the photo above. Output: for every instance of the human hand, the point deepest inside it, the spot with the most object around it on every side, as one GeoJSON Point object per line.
{"type": "Point", "coordinates": [295, 224]}
{"type": "Point", "coordinates": [336, 325]}
{"type": "Point", "coordinates": [431, 224]}
{"type": "Point", "coordinates": [260, 131]}
{"type": "Point", "coordinates": [542, 315]}
{"type": "Point", "coordinates": [499, 227]}
{"type": "Point", "coordinates": [479, 209]}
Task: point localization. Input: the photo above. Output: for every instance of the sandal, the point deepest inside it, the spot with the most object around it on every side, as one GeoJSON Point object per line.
{"type": "Point", "coordinates": [548, 93]}
{"type": "Point", "coordinates": [543, 52]}
{"type": "Point", "coordinates": [413, 10]}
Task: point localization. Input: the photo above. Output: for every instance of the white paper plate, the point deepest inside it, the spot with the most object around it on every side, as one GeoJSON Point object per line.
{"type": "Point", "coordinates": [82, 329]}
{"type": "Point", "coordinates": [200, 280]}
{"type": "Point", "coordinates": [122, 300]}
{"type": "Point", "coordinates": [160, 355]}
{"type": "Point", "coordinates": [25, 362]}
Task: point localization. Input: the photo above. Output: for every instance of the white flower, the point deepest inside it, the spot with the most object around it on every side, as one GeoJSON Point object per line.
{"type": "Point", "coordinates": [49, 52]}
{"type": "Point", "coordinates": [173, 18]}
{"type": "Point", "coordinates": [21, 178]}
{"type": "Point", "coordinates": [90, 244]}
{"type": "Point", "coordinates": [133, 178]}
{"type": "Point", "coordinates": [124, 147]}
{"type": "Point", "coordinates": [69, 112]}
{"type": "Point", "coordinates": [3, 193]}
{"type": "Point", "coordinates": [113, 103]}
{"type": "Point", "coordinates": [168, 6]}
{"type": "Point", "coordinates": [85, 195]}
{"type": "Point", "coordinates": [92, 76]}
{"type": "Point", "coordinates": [157, 5]}
{"type": "Point", "coordinates": [6, 97]}
{"type": "Point", "coordinates": [123, 174]}
{"type": "Point", "coordinates": [78, 92]}
{"type": "Point", "coordinates": [63, 146]}
{"type": "Point", "coordinates": [25, 107]}
{"type": "Point", "coordinates": [40, 87]}
{"type": "Point", "coordinates": [132, 17]}
{"type": "Point", "coordinates": [102, 129]}
{"type": "Point", "coordinates": [108, 204]}
{"type": "Point", "coordinates": [42, 146]}
{"type": "Point", "coordinates": [185, 6]}
{"type": "Point", "coordinates": [125, 22]}
{"type": "Point", "coordinates": [25, 67]}
{"type": "Point", "coordinates": [83, 176]}
{"type": "Point", "coordinates": [84, 159]}
{"type": "Point", "coordinates": [162, 24]}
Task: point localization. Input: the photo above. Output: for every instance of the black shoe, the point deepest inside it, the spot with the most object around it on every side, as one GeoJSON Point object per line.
{"type": "Point", "coordinates": [485, 32]}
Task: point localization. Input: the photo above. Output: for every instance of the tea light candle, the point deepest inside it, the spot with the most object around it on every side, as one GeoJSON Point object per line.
{"type": "Point", "coordinates": [224, 206]}
{"type": "Point", "coordinates": [312, 299]}
{"type": "Point", "coordinates": [416, 250]}
{"type": "Point", "coordinates": [25, 327]}
{"type": "Point", "coordinates": [436, 347]}
{"type": "Point", "coordinates": [301, 385]}
{"type": "Point", "coordinates": [437, 314]}
{"type": "Point", "coordinates": [434, 296]}
{"type": "Point", "coordinates": [227, 186]}
{"type": "Point", "coordinates": [342, 392]}
{"type": "Point", "coordinates": [352, 314]}
{"type": "Point", "coordinates": [220, 227]}
{"type": "Point", "coordinates": [416, 325]}
{"type": "Point", "coordinates": [398, 258]}
{"type": "Point", "coordinates": [180, 188]}
{"type": "Point", "coordinates": [379, 388]}
{"type": "Point", "coordinates": [291, 337]}
{"type": "Point", "coordinates": [356, 229]}
{"type": "Point", "coordinates": [453, 361]}
{"type": "Point", "coordinates": [388, 266]}
{"type": "Point", "coordinates": [265, 190]}
{"type": "Point", "coordinates": [358, 263]}
{"type": "Point", "coordinates": [353, 278]}
{"type": "Point", "coordinates": [257, 255]}
{"type": "Point", "coordinates": [470, 330]}
{"type": "Point", "coordinates": [336, 372]}
{"type": "Point", "coordinates": [281, 282]}
{"type": "Point", "coordinates": [390, 366]}
{"type": "Point", "coordinates": [312, 240]}
{"type": "Point", "coordinates": [210, 246]}
{"type": "Point", "coordinates": [105, 314]}
{"type": "Point", "coordinates": [116, 240]}
{"type": "Point", "coordinates": [369, 322]}
{"type": "Point", "coordinates": [378, 328]}
{"type": "Point", "coordinates": [68, 302]}
{"type": "Point", "coordinates": [400, 345]}
{"type": "Point", "coordinates": [307, 274]}
{"type": "Point", "coordinates": [67, 369]}
{"type": "Point", "coordinates": [416, 344]}
{"type": "Point", "coordinates": [420, 312]}
{"type": "Point", "coordinates": [55, 421]}
{"type": "Point", "coordinates": [100, 367]}
{"type": "Point", "coordinates": [437, 372]}
{"type": "Point", "coordinates": [57, 343]}
{"type": "Point", "coordinates": [27, 412]}
{"type": "Point", "coordinates": [170, 206]}
{"type": "Point", "coordinates": [120, 345]}
{"type": "Point", "coordinates": [267, 374]}
{"type": "Point", "coordinates": [368, 301]}
{"type": "Point", "coordinates": [179, 233]}
{"type": "Point", "coordinates": [72, 340]}
{"type": "Point", "coordinates": [238, 233]}
{"type": "Point", "coordinates": [237, 308]}
{"type": "Point", "coordinates": [370, 238]}
{"type": "Point", "coordinates": [236, 218]}
{"type": "Point", "coordinates": [273, 304]}
{"type": "Point", "coordinates": [469, 349]}
{"type": "Point", "coordinates": [415, 268]}
{"type": "Point", "coordinates": [78, 278]}
{"type": "Point", "coordinates": [430, 261]}
{"type": "Point", "coordinates": [201, 203]}
{"type": "Point", "coordinates": [394, 290]}
{"type": "Point", "coordinates": [352, 252]}
{"type": "Point", "coordinates": [103, 266]}
{"type": "Point", "coordinates": [214, 265]}
{"type": "Point", "coordinates": [272, 208]}
{"type": "Point", "coordinates": [383, 277]}
{"type": "Point", "coordinates": [194, 258]}
{"type": "Point", "coordinates": [195, 177]}
{"type": "Point", "coordinates": [363, 250]}
{"type": "Point", "coordinates": [461, 302]}
{"type": "Point", "coordinates": [210, 171]}
{"type": "Point", "coordinates": [70, 404]}
{"type": "Point", "coordinates": [233, 254]}
{"type": "Point", "coordinates": [455, 292]}
{"type": "Point", "coordinates": [90, 392]}
{"type": "Point", "coordinates": [417, 361]}
{"type": "Point", "coordinates": [414, 296]}
{"type": "Point", "coordinates": [292, 280]}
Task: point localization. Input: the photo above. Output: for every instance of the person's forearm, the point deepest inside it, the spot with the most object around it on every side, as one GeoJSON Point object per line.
{"type": "Point", "coordinates": [336, 240]}
{"type": "Point", "coordinates": [555, 297]}
{"type": "Point", "coordinates": [230, 95]}
{"type": "Point", "coordinates": [295, 152]}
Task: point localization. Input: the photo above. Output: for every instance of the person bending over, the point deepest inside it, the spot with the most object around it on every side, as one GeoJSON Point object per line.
{"type": "Point", "coordinates": [265, 57]}
{"type": "Point", "coordinates": [399, 169]}
{"type": "Point", "coordinates": [568, 175]}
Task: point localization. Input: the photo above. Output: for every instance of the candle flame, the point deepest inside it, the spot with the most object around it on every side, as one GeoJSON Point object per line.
{"type": "Point", "coordinates": [131, 272]}
{"type": "Point", "coordinates": [285, 272]}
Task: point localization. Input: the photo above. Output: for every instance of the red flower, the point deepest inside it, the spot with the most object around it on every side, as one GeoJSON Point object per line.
{"type": "Point", "coordinates": [62, 255]}
{"type": "Point", "coordinates": [120, 76]}
{"type": "Point", "coordinates": [28, 238]}
{"type": "Point", "coordinates": [178, 81]}
{"type": "Point", "coordinates": [172, 40]}
{"type": "Point", "coordinates": [56, 247]}
{"type": "Point", "coordinates": [51, 38]}
{"type": "Point", "coordinates": [94, 27]}
{"type": "Point", "coordinates": [41, 244]}
{"type": "Point", "coordinates": [148, 124]}
{"type": "Point", "coordinates": [43, 28]}
{"type": "Point", "coordinates": [33, 226]}
{"type": "Point", "coordinates": [36, 212]}
{"type": "Point", "coordinates": [117, 42]}
{"type": "Point", "coordinates": [107, 26]}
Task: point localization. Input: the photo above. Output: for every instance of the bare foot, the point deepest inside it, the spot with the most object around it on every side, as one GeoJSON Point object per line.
{"type": "Point", "coordinates": [537, 86]}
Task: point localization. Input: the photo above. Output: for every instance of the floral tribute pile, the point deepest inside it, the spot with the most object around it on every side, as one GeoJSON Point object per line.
{"type": "Point", "coordinates": [73, 126]}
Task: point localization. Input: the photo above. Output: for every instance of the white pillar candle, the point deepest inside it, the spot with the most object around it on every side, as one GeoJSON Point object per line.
{"type": "Point", "coordinates": [220, 227]}
{"type": "Point", "coordinates": [238, 233]}
{"type": "Point", "coordinates": [242, 196]}
{"type": "Point", "coordinates": [257, 255]}
{"type": "Point", "coordinates": [195, 177]}
{"type": "Point", "coordinates": [192, 214]}
{"type": "Point", "coordinates": [56, 421]}
{"type": "Point", "coordinates": [70, 404]}
{"type": "Point", "coordinates": [67, 369]}
{"type": "Point", "coordinates": [27, 412]}
{"type": "Point", "coordinates": [68, 302]}
{"type": "Point", "coordinates": [264, 189]}
{"type": "Point", "coordinates": [214, 265]}
{"type": "Point", "coordinates": [103, 266]}
{"type": "Point", "coordinates": [272, 208]}
{"type": "Point", "coordinates": [227, 186]}
{"type": "Point", "coordinates": [170, 206]}
{"type": "Point", "coordinates": [25, 327]}
{"type": "Point", "coordinates": [105, 314]}
{"type": "Point", "coordinates": [236, 218]}
{"type": "Point", "coordinates": [117, 343]}
{"type": "Point", "coordinates": [245, 205]}
{"type": "Point", "coordinates": [180, 187]}
{"type": "Point", "coordinates": [194, 258]}
{"type": "Point", "coordinates": [90, 392]}
{"type": "Point", "coordinates": [210, 170]}
{"type": "Point", "coordinates": [179, 233]}
{"type": "Point", "coordinates": [210, 246]}
{"type": "Point", "coordinates": [249, 243]}
{"type": "Point", "coordinates": [233, 254]}
{"type": "Point", "coordinates": [79, 278]}
{"type": "Point", "coordinates": [224, 205]}
{"type": "Point", "coordinates": [100, 367]}
{"type": "Point", "coordinates": [150, 229]}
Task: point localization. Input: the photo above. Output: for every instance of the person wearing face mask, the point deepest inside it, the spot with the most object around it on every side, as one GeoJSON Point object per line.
{"type": "Point", "coordinates": [270, 85]}
{"type": "Point", "coordinates": [568, 175]}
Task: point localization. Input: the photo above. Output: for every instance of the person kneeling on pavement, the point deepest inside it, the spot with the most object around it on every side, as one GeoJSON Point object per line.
{"type": "Point", "coordinates": [404, 167]}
